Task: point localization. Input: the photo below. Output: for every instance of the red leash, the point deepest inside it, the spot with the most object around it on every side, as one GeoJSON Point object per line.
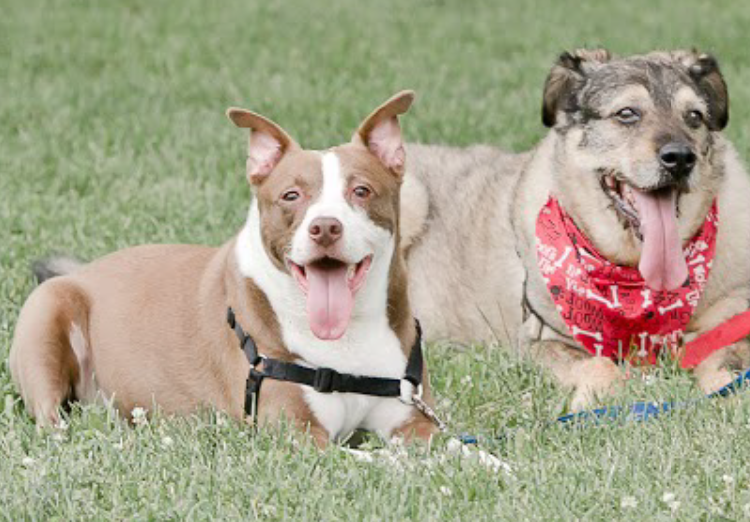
{"type": "Point", "coordinates": [727, 333]}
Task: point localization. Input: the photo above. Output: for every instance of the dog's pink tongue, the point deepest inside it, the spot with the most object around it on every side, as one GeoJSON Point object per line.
{"type": "Point", "coordinates": [329, 301]}
{"type": "Point", "coordinates": [662, 264]}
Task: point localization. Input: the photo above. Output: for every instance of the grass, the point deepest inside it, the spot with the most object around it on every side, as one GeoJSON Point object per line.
{"type": "Point", "coordinates": [112, 134]}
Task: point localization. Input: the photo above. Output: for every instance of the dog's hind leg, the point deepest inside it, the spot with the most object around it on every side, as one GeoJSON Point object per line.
{"type": "Point", "coordinates": [48, 358]}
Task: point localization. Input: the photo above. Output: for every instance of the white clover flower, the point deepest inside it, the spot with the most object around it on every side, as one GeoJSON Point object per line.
{"type": "Point", "coordinates": [669, 499]}
{"type": "Point", "coordinates": [628, 502]}
{"type": "Point", "coordinates": [167, 441]}
{"type": "Point", "coordinates": [28, 461]}
{"type": "Point", "coordinates": [466, 380]}
{"type": "Point", "coordinates": [728, 479]}
{"type": "Point", "coordinates": [268, 510]}
{"type": "Point", "coordinates": [446, 491]}
{"type": "Point", "coordinates": [139, 415]}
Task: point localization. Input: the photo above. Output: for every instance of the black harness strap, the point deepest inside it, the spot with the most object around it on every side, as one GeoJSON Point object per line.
{"type": "Point", "coordinates": [323, 380]}
{"type": "Point", "coordinates": [254, 378]}
{"type": "Point", "coordinates": [327, 380]}
{"type": "Point", "coordinates": [415, 364]}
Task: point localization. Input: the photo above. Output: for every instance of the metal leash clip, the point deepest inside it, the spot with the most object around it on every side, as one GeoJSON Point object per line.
{"type": "Point", "coordinates": [428, 412]}
{"type": "Point", "coordinates": [412, 396]}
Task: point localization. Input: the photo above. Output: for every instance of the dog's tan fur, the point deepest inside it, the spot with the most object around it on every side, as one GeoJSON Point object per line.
{"type": "Point", "coordinates": [147, 326]}
{"type": "Point", "coordinates": [471, 241]}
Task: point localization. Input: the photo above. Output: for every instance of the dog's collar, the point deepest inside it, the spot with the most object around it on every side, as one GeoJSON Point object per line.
{"type": "Point", "coordinates": [326, 380]}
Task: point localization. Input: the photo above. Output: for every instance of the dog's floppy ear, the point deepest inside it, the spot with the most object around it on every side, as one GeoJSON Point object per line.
{"type": "Point", "coordinates": [268, 143]}
{"type": "Point", "coordinates": [380, 132]}
{"type": "Point", "coordinates": [704, 69]}
{"type": "Point", "coordinates": [566, 76]}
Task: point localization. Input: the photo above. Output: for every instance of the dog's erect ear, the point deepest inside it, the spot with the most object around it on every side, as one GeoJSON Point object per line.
{"type": "Point", "coordinates": [380, 132]}
{"type": "Point", "coordinates": [268, 143]}
{"type": "Point", "coordinates": [704, 69]}
{"type": "Point", "coordinates": [566, 76]}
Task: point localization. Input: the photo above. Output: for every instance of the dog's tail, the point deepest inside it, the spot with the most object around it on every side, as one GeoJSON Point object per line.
{"type": "Point", "coordinates": [54, 266]}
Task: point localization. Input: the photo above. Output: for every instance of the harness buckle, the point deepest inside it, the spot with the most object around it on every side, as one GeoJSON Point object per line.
{"type": "Point", "coordinates": [326, 380]}
{"type": "Point", "coordinates": [252, 387]}
{"type": "Point", "coordinates": [259, 360]}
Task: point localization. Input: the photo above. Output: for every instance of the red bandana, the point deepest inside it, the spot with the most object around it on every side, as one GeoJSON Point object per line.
{"type": "Point", "coordinates": [608, 308]}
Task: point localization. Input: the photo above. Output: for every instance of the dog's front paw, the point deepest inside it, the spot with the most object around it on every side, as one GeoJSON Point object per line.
{"type": "Point", "coordinates": [714, 379]}
{"type": "Point", "coordinates": [594, 378]}
{"type": "Point", "coordinates": [716, 370]}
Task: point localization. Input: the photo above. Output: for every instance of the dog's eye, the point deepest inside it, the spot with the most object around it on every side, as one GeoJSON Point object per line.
{"type": "Point", "coordinates": [628, 116]}
{"type": "Point", "coordinates": [362, 192]}
{"type": "Point", "coordinates": [290, 196]}
{"type": "Point", "coordinates": [694, 119]}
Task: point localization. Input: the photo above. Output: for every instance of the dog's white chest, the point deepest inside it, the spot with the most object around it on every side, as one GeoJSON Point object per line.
{"type": "Point", "coordinates": [380, 356]}
{"type": "Point", "coordinates": [343, 413]}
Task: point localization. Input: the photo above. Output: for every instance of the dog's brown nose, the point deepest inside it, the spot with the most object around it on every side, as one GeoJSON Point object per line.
{"type": "Point", "coordinates": [325, 231]}
{"type": "Point", "coordinates": [678, 159]}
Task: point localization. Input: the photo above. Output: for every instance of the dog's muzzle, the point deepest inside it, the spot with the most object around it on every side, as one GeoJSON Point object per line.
{"type": "Point", "coordinates": [678, 159]}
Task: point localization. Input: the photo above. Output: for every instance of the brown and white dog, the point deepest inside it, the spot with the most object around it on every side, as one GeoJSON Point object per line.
{"type": "Point", "coordinates": [315, 277]}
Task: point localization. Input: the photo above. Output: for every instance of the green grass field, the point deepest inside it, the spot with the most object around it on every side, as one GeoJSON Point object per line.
{"type": "Point", "coordinates": [112, 133]}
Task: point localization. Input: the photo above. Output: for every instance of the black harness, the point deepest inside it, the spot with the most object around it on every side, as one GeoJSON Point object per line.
{"type": "Point", "coordinates": [325, 380]}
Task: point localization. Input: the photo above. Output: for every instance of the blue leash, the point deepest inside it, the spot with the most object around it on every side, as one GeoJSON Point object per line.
{"type": "Point", "coordinates": [637, 412]}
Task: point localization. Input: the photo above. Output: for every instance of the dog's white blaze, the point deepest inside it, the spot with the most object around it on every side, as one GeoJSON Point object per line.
{"type": "Point", "coordinates": [369, 346]}
{"type": "Point", "coordinates": [361, 237]}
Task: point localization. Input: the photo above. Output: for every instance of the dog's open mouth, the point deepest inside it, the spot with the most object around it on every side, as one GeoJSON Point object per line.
{"type": "Point", "coordinates": [652, 214]}
{"type": "Point", "coordinates": [330, 286]}
{"type": "Point", "coordinates": [622, 196]}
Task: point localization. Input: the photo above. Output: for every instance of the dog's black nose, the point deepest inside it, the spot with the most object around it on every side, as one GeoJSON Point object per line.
{"type": "Point", "coordinates": [678, 159]}
{"type": "Point", "coordinates": [325, 231]}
